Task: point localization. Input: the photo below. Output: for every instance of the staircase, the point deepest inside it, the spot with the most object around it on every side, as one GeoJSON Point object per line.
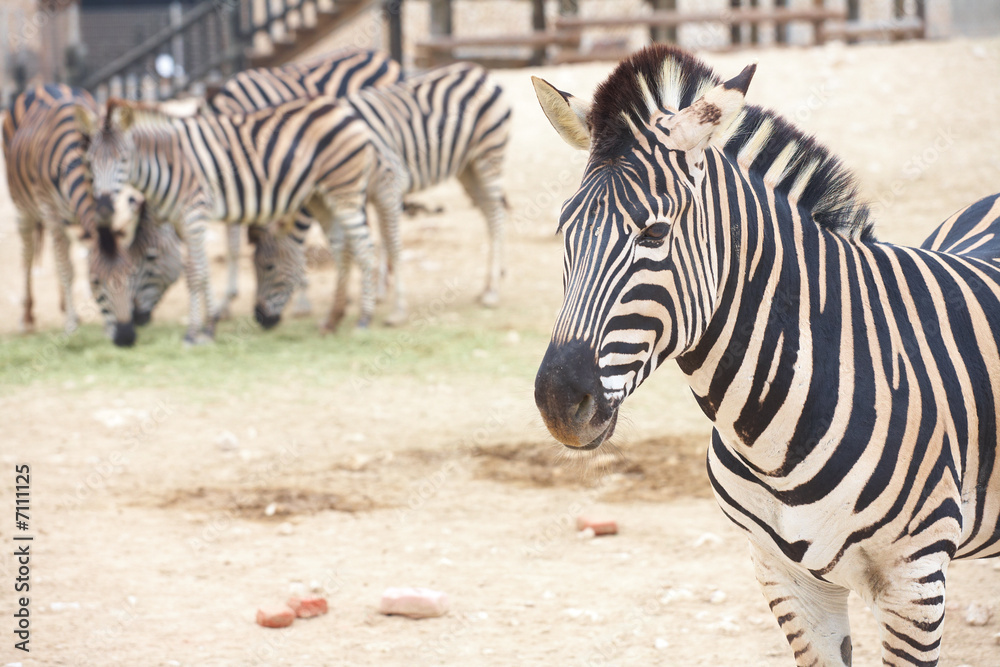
{"type": "Point", "coordinates": [235, 34]}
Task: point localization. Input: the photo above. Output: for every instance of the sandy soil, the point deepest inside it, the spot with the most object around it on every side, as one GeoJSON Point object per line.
{"type": "Point", "coordinates": [450, 481]}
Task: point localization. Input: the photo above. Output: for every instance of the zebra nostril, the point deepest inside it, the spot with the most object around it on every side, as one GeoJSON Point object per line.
{"type": "Point", "coordinates": [585, 409]}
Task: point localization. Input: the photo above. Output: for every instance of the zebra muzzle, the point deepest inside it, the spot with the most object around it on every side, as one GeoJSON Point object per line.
{"type": "Point", "coordinates": [571, 398]}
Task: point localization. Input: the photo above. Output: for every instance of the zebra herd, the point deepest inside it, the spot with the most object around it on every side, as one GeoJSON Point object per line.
{"type": "Point", "coordinates": [273, 150]}
{"type": "Point", "coordinates": [853, 385]}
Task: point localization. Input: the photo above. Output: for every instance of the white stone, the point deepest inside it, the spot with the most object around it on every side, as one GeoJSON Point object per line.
{"type": "Point", "coordinates": [717, 597]}
{"type": "Point", "coordinates": [661, 644]}
{"type": "Point", "coordinates": [64, 606]}
{"type": "Point", "coordinates": [586, 534]}
{"type": "Point", "coordinates": [286, 528]}
{"type": "Point", "coordinates": [707, 538]}
{"type": "Point", "coordinates": [674, 594]}
{"type": "Point", "coordinates": [977, 614]}
{"type": "Point", "coordinates": [270, 509]}
{"type": "Point", "coordinates": [227, 441]}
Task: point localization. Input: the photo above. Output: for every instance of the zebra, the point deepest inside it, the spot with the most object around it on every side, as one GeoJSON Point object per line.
{"type": "Point", "coordinates": [50, 184]}
{"type": "Point", "coordinates": [450, 121]}
{"type": "Point", "coordinates": [155, 251]}
{"type": "Point", "coordinates": [336, 74]}
{"type": "Point", "coordinates": [311, 154]}
{"type": "Point", "coordinates": [852, 384]}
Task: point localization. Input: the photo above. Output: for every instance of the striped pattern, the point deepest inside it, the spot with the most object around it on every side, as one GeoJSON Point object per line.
{"type": "Point", "coordinates": [453, 121]}
{"type": "Point", "coordinates": [50, 184]}
{"type": "Point", "coordinates": [335, 75]}
{"type": "Point", "coordinates": [313, 155]}
{"type": "Point", "coordinates": [853, 385]}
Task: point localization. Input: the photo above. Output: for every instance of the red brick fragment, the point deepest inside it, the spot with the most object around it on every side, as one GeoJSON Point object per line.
{"type": "Point", "coordinates": [308, 607]}
{"type": "Point", "coordinates": [275, 616]}
{"type": "Point", "coordinates": [414, 602]}
{"type": "Point", "coordinates": [600, 525]}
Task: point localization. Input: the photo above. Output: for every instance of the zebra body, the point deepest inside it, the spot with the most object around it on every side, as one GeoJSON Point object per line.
{"type": "Point", "coordinates": [312, 154]}
{"type": "Point", "coordinates": [453, 121]}
{"type": "Point", "coordinates": [334, 75]}
{"type": "Point", "coordinates": [853, 385]}
{"type": "Point", "coordinates": [50, 184]}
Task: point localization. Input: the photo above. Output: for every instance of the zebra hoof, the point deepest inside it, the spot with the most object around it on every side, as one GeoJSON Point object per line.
{"type": "Point", "coordinates": [27, 327]}
{"type": "Point", "coordinates": [222, 314]}
{"type": "Point", "coordinates": [364, 322]}
{"type": "Point", "coordinates": [197, 339]}
{"type": "Point", "coordinates": [490, 299]}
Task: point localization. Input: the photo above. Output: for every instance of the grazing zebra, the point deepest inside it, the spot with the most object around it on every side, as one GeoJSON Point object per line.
{"type": "Point", "coordinates": [50, 184]}
{"type": "Point", "coordinates": [153, 249]}
{"type": "Point", "coordinates": [853, 385]}
{"type": "Point", "coordinates": [311, 154]}
{"type": "Point", "coordinates": [451, 121]}
{"type": "Point", "coordinates": [336, 74]}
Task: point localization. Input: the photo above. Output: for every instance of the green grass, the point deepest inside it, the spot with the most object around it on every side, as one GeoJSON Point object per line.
{"type": "Point", "coordinates": [244, 355]}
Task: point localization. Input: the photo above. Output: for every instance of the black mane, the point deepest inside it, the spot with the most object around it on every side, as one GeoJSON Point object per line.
{"type": "Point", "coordinates": [670, 79]}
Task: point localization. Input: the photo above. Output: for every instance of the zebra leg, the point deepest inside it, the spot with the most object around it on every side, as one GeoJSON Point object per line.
{"type": "Point", "coordinates": [388, 200]}
{"type": "Point", "coordinates": [302, 306]}
{"type": "Point", "coordinates": [342, 261]}
{"type": "Point", "coordinates": [64, 267]}
{"type": "Point", "coordinates": [911, 613]}
{"type": "Point", "coordinates": [811, 613]}
{"type": "Point", "coordinates": [233, 272]}
{"type": "Point", "coordinates": [28, 230]}
{"type": "Point", "coordinates": [196, 273]}
{"type": "Point", "coordinates": [481, 181]}
{"type": "Point", "coordinates": [360, 249]}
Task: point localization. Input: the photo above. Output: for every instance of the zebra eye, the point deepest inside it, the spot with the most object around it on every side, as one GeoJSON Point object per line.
{"type": "Point", "coordinates": [269, 268]}
{"type": "Point", "coordinates": [654, 233]}
{"type": "Point", "coordinates": [151, 256]}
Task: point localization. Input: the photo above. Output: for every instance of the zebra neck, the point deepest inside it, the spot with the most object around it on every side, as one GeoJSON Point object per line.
{"type": "Point", "coordinates": [766, 369]}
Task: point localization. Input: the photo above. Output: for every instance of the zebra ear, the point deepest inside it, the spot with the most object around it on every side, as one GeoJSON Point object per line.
{"type": "Point", "coordinates": [692, 128]}
{"type": "Point", "coordinates": [567, 114]}
{"type": "Point", "coordinates": [120, 114]}
{"type": "Point", "coordinates": [87, 120]}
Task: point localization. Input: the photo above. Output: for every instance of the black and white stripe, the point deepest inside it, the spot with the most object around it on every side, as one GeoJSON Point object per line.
{"type": "Point", "coordinates": [449, 122]}
{"type": "Point", "coordinates": [50, 184]}
{"type": "Point", "coordinates": [311, 155]}
{"type": "Point", "coordinates": [853, 384]}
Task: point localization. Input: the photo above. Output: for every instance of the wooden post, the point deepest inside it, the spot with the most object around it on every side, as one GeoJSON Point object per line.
{"type": "Point", "coordinates": [538, 25]}
{"type": "Point", "coordinates": [394, 14]}
{"type": "Point", "coordinates": [818, 37]}
{"type": "Point", "coordinates": [781, 29]}
{"type": "Point", "coordinates": [661, 33]}
{"type": "Point", "coordinates": [754, 37]}
{"type": "Point", "coordinates": [922, 15]}
{"type": "Point", "coordinates": [736, 29]}
{"type": "Point", "coordinates": [898, 11]}
{"type": "Point", "coordinates": [853, 16]}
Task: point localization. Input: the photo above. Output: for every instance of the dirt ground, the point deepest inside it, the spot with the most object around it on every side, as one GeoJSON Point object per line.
{"type": "Point", "coordinates": [166, 516]}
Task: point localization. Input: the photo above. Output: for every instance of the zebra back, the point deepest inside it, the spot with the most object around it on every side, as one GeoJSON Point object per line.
{"type": "Point", "coordinates": [437, 123]}
{"type": "Point", "coordinates": [44, 149]}
{"type": "Point", "coordinates": [336, 75]}
{"type": "Point", "coordinates": [974, 231]}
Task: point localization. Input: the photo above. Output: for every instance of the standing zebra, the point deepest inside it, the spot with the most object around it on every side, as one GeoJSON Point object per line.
{"type": "Point", "coordinates": [50, 184]}
{"type": "Point", "coordinates": [853, 385]}
{"type": "Point", "coordinates": [335, 75]}
{"type": "Point", "coordinates": [312, 154]}
{"type": "Point", "coordinates": [451, 121]}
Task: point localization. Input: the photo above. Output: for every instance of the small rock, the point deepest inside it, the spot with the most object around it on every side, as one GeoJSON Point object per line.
{"type": "Point", "coordinates": [718, 597]}
{"type": "Point", "coordinates": [600, 525]}
{"type": "Point", "coordinates": [586, 534]}
{"type": "Point", "coordinates": [661, 644]}
{"type": "Point", "coordinates": [286, 528]}
{"type": "Point", "coordinates": [414, 602]}
{"type": "Point", "coordinates": [227, 441]}
{"type": "Point", "coordinates": [298, 589]}
{"type": "Point", "coordinates": [308, 607]}
{"type": "Point", "coordinates": [270, 509]}
{"type": "Point", "coordinates": [977, 614]}
{"type": "Point", "coordinates": [64, 606]}
{"type": "Point", "coordinates": [673, 594]}
{"type": "Point", "coordinates": [707, 538]}
{"type": "Point", "coordinates": [275, 616]}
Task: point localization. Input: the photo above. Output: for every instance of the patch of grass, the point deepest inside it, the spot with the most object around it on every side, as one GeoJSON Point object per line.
{"type": "Point", "coordinates": [244, 355]}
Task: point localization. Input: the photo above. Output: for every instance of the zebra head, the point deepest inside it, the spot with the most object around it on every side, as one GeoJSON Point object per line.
{"type": "Point", "coordinates": [110, 154]}
{"type": "Point", "coordinates": [111, 269]}
{"type": "Point", "coordinates": [279, 262]}
{"type": "Point", "coordinates": [155, 252]}
{"type": "Point", "coordinates": [641, 268]}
